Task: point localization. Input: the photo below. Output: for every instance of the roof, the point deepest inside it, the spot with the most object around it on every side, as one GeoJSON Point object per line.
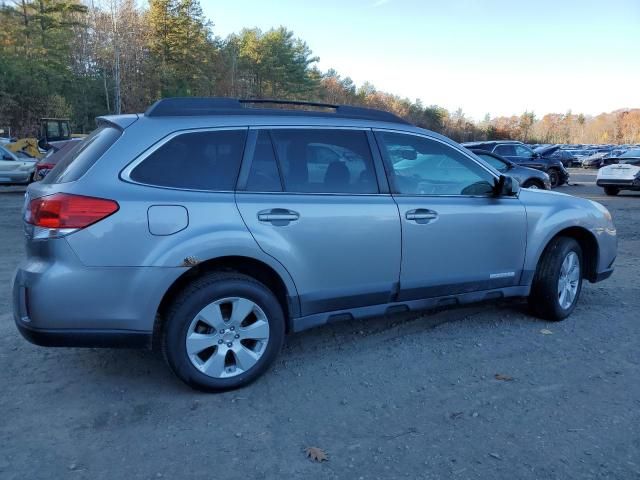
{"type": "Point", "coordinates": [206, 106]}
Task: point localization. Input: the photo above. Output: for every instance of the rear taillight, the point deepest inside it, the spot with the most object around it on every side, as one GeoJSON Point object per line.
{"type": "Point", "coordinates": [42, 169]}
{"type": "Point", "coordinates": [66, 211]}
{"type": "Point", "coordinates": [42, 166]}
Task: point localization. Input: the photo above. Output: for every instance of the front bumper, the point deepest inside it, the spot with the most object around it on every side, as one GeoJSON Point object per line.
{"type": "Point", "coordinates": [13, 177]}
{"type": "Point", "coordinates": [603, 275]}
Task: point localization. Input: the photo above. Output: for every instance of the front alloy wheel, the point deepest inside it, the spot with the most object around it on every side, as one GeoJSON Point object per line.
{"type": "Point", "coordinates": [568, 280]}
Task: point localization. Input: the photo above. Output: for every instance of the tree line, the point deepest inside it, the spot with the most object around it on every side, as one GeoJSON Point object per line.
{"type": "Point", "coordinates": [81, 59]}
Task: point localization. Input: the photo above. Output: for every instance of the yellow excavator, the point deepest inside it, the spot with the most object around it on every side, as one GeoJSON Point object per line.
{"type": "Point", "coordinates": [51, 130]}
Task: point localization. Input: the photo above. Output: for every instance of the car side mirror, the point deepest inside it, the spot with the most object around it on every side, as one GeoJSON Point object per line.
{"type": "Point", "coordinates": [506, 186]}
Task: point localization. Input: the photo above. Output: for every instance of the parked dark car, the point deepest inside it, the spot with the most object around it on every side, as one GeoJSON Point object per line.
{"type": "Point", "coordinates": [566, 157]}
{"type": "Point", "coordinates": [527, 177]}
{"type": "Point", "coordinates": [593, 161]}
{"type": "Point", "coordinates": [521, 154]}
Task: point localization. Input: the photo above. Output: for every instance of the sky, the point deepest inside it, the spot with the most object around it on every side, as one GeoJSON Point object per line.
{"type": "Point", "coordinates": [494, 57]}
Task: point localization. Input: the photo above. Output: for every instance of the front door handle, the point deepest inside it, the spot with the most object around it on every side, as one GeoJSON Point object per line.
{"type": "Point", "coordinates": [278, 216]}
{"type": "Point", "coordinates": [421, 215]}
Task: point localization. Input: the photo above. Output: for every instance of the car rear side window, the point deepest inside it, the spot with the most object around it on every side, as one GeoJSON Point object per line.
{"type": "Point", "coordinates": [195, 161]}
{"type": "Point", "coordinates": [83, 156]}
{"type": "Point", "coordinates": [325, 161]}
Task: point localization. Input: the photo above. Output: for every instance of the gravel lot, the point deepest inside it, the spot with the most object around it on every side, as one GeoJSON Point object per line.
{"type": "Point", "coordinates": [399, 397]}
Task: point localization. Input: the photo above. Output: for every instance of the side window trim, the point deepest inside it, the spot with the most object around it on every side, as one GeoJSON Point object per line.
{"type": "Point", "coordinates": [125, 173]}
{"type": "Point", "coordinates": [389, 169]}
{"type": "Point", "coordinates": [247, 161]}
{"type": "Point", "coordinates": [378, 163]}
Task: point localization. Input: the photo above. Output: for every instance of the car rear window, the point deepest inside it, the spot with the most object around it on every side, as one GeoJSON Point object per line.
{"type": "Point", "coordinates": [195, 161]}
{"type": "Point", "coordinates": [82, 156]}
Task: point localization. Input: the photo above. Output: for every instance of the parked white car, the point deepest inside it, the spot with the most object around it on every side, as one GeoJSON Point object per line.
{"type": "Point", "coordinates": [16, 168]}
{"type": "Point", "coordinates": [624, 175]}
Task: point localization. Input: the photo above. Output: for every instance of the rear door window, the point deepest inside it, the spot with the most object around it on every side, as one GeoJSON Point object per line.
{"type": "Point", "coordinates": [207, 160]}
{"type": "Point", "coordinates": [325, 161]}
{"type": "Point", "coordinates": [82, 156]}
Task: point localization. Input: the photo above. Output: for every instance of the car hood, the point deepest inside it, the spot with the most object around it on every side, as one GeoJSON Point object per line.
{"type": "Point", "coordinates": [621, 171]}
{"type": "Point", "coordinates": [546, 150]}
{"type": "Point", "coordinates": [525, 172]}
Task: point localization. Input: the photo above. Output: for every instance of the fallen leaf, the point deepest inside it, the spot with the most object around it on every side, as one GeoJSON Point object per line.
{"type": "Point", "coordinates": [544, 331]}
{"type": "Point", "coordinates": [316, 454]}
{"type": "Point", "coordinates": [504, 378]}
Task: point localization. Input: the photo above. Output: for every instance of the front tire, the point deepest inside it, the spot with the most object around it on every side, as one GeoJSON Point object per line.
{"type": "Point", "coordinates": [611, 191]}
{"type": "Point", "coordinates": [558, 280]}
{"type": "Point", "coordinates": [533, 184]}
{"type": "Point", "coordinates": [554, 177]}
{"type": "Point", "coordinates": [222, 332]}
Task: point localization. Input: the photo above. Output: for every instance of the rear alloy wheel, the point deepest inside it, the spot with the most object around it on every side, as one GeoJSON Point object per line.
{"type": "Point", "coordinates": [223, 332]}
{"type": "Point", "coordinates": [558, 280]}
{"type": "Point", "coordinates": [554, 178]}
{"type": "Point", "coordinates": [227, 337]}
{"type": "Point", "coordinates": [611, 191]}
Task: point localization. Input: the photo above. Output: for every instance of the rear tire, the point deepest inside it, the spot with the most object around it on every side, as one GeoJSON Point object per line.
{"type": "Point", "coordinates": [611, 191]}
{"type": "Point", "coordinates": [229, 357]}
{"type": "Point", "coordinates": [558, 280]}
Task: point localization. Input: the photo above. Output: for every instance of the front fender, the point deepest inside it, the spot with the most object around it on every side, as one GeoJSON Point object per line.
{"type": "Point", "coordinates": [550, 213]}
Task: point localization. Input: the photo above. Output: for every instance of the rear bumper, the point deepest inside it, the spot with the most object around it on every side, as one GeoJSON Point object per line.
{"type": "Point", "coordinates": [84, 338]}
{"type": "Point", "coordinates": [58, 301]}
{"type": "Point", "coordinates": [634, 184]}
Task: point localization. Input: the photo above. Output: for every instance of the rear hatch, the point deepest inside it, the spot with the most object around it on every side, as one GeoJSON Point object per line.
{"type": "Point", "coordinates": [620, 171]}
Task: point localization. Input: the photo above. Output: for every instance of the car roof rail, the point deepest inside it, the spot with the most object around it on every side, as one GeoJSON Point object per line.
{"type": "Point", "coordinates": [201, 106]}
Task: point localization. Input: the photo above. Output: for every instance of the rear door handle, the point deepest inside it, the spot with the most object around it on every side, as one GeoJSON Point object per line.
{"type": "Point", "coordinates": [278, 216]}
{"type": "Point", "coordinates": [421, 215]}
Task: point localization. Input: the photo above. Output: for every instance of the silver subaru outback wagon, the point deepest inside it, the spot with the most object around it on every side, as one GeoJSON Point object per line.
{"type": "Point", "coordinates": [209, 228]}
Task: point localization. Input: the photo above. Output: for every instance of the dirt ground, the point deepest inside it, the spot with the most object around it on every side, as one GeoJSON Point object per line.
{"type": "Point", "coordinates": [399, 397]}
